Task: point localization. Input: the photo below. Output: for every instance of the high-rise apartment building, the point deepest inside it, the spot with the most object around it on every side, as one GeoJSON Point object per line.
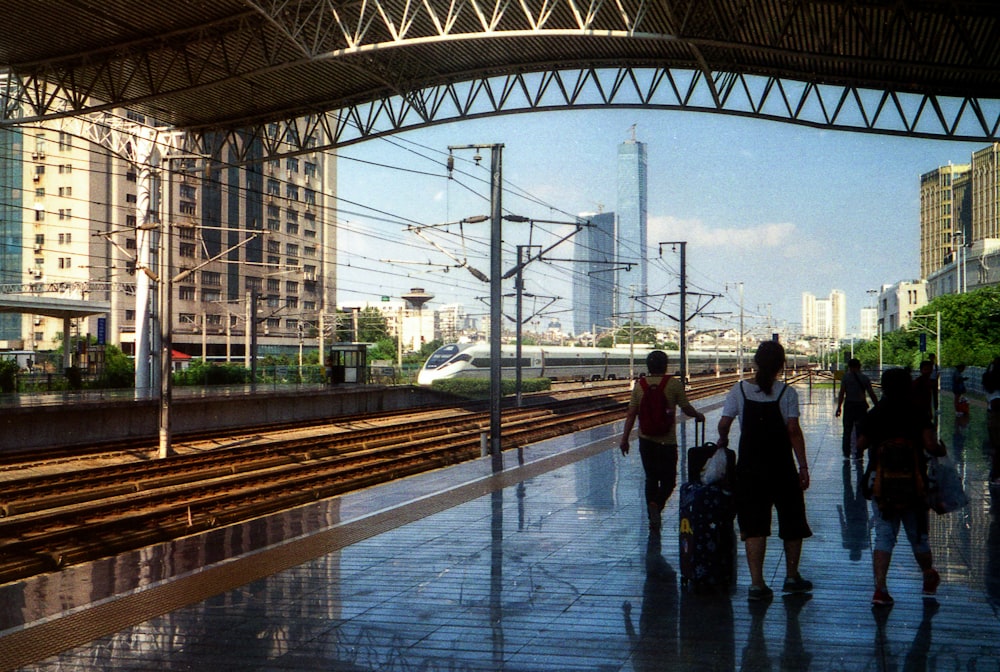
{"type": "Point", "coordinates": [236, 233]}
{"type": "Point", "coordinates": [630, 235]}
{"type": "Point", "coordinates": [825, 318]}
{"type": "Point", "coordinates": [985, 199]}
{"type": "Point", "coordinates": [594, 274]}
{"type": "Point", "coordinates": [944, 200]}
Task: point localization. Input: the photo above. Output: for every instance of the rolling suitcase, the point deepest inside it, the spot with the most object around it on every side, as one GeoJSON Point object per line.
{"type": "Point", "coordinates": [707, 539]}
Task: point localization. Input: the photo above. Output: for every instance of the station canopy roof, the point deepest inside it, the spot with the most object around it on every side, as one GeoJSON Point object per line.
{"type": "Point", "coordinates": [231, 64]}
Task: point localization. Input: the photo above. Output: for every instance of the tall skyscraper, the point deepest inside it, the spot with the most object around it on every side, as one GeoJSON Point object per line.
{"type": "Point", "coordinates": [941, 199]}
{"type": "Point", "coordinates": [594, 274]}
{"type": "Point", "coordinates": [630, 235]}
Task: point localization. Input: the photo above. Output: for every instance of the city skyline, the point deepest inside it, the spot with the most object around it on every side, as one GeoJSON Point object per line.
{"type": "Point", "coordinates": [777, 208]}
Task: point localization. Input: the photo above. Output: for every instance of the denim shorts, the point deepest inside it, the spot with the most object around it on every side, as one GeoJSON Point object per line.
{"type": "Point", "coordinates": [914, 523]}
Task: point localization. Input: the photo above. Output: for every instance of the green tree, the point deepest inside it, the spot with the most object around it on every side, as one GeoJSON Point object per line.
{"type": "Point", "coordinates": [118, 369]}
{"type": "Point", "coordinates": [372, 326]}
{"type": "Point", "coordinates": [8, 375]}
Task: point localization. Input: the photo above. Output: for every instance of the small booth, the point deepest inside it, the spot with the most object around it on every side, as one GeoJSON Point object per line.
{"type": "Point", "coordinates": [348, 363]}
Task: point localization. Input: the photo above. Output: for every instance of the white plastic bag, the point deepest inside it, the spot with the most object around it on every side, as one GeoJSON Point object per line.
{"type": "Point", "coordinates": [715, 467]}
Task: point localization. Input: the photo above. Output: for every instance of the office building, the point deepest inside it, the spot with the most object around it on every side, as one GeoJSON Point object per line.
{"type": "Point", "coordinates": [898, 303]}
{"type": "Point", "coordinates": [594, 274]}
{"type": "Point", "coordinates": [236, 233]}
{"type": "Point", "coordinates": [630, 235]}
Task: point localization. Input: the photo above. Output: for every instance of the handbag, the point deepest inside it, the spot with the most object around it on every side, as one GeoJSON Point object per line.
{"type": "Point", "coordinates": [945, 493]}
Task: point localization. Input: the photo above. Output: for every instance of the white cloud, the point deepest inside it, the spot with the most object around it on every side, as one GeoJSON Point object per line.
{"type": "Point", "coordinates": [782, 236]}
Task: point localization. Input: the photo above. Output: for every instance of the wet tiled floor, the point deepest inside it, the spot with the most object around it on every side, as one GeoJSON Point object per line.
{"type": "Point", "coordinates": [545, 567]}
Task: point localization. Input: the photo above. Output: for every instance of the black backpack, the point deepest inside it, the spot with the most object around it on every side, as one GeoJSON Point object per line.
{"type": "Point", "coordinates": [897, 480]}
{"type": "Point", "coordinates": [656, 415]}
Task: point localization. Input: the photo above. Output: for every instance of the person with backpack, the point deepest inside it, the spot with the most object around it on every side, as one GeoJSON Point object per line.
{"type": "Point", "coordinates": [898, 435]}
{"type": "Point", "coordinates": [854, 387]}
{"type": "Point", "coordinates": [771, 443]}
{"type": "Point", "coordinates": [654, 402]}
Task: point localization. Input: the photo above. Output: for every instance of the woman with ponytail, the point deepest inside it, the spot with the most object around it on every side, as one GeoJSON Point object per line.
{"type": "Point", "coordinates": [771, 444]}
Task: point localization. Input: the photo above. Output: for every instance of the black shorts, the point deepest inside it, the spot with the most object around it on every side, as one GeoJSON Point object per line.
{"type": "Point", "coordinates": [756, 497]}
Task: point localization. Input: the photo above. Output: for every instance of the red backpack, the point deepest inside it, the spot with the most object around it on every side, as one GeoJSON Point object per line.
{"type": "Point", "coordinates": [656, 415]}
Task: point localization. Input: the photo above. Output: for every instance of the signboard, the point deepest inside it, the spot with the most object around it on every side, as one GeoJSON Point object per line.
{"type": "Point", "coordinates": [102, 330]}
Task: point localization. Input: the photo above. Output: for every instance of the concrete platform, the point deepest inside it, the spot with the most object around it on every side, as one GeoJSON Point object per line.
{"type": "Point", "coordinates": [546, 566]}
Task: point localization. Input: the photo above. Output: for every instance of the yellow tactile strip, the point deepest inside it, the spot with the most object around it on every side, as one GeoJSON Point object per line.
{"type": "Point", "coordinates": [38, 642]}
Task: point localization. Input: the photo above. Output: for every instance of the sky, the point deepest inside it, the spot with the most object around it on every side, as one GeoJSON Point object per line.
{"type": "Point", "coordinates": [779, 208]}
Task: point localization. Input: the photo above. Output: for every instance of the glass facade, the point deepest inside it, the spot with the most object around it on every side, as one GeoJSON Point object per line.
{"type": "Point", "coordinates": [594, 279]}
{"type": "Point", "coordinates": [630, 238]}
{"type": "Point", "coordinates": [11, 223]}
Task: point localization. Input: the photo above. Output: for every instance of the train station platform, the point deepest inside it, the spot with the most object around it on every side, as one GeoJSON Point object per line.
{"type": "Point", "coordinates": [545, 566]}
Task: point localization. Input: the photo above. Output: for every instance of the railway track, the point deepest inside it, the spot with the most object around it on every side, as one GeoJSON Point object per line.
{"type": "Point", "coordinates": [71, 515]}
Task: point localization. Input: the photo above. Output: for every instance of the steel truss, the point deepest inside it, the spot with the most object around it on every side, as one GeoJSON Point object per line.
{"type": "Point", "coordinates": [275, 73]}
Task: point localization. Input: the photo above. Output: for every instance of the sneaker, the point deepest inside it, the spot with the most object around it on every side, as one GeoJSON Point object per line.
{"type": "Point", "coordinates": [882, 598]}
{"type": "Point", "coordinates": [931, 582]}
{"type": "Point", "coordinates": [759, 593]}
{"type": "Point", "coordinates": [796, 584]}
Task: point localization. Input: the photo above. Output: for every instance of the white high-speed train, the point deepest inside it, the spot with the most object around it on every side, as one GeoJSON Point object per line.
{"type": "Point", "coordinates": [472, 360]}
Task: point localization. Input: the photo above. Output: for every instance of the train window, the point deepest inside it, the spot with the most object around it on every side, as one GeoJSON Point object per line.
{"type": "Point", "coordinates": [440, 356]}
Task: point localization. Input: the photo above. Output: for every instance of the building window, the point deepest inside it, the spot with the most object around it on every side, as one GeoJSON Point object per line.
{"type": "Point", "coordinates": [292, 287]}
{"type": "Point", "coordinates": [65, 191]}
{"type": "Point", "coordinates": [273, 187]}
{"type": "Point", "coordinates": [274, 247]}
{"type": "Point", "coordinates": [292, 163]}
{"type": "Point", "coordinates": [40, 192]}
{"type": "Point", "coordinates": [310, 251]}
{"type": "Point", "coordinates": [291, 250]}
{"type": "Point", "coordinates": [188, 319]}
{"type": "Point", "coordinates": [273, 224]}
{"type": "Point", "coordinates": [130, 176]}
{"type": "Point", "coordinates": [186, 208]}
{"type": "Point", "coordinates": [131, 198]}
{"type": "Point", "coordinates": [186, 293]}
{"type": "Point", "coordinates": [310, 197]}
{"type": "Point", "coordinates": [254, 284]}
{"type": "Point", "coordinates": [273, 285]}
{"type": "Point", "coordinates": [130, 243]}
{"type": "Point", "coordinates": [39, 215]}
{"type": "Point", "coordinates": [209, 295]}
{"type": "Point", "coordinates": [214, 320]}
{"type": "Point", "coordinates": [291, 302]}
{"type": "Point", "coordinates": [189, 192]}
{"type": "Point", "coordinates": [211, 278]}
{"type": "Point", "coordinates": [130, 220]}
{"type": "Point", "coordinates": [185, 232]}
{"type": "Point", "coordinates": [292, 229]}
{"type": "Point", "coordinates": [65, 213]}
{"type": "Point", "coordinates": [186, 250]}
{"type": "Point", "coordinates": [65, 262]}
{"type": "Point", "coordinates": [66, 169]}
{"type": "Point", "coordinates": [292, 192]}
{"type": "Point", "coordinates": [65, 238]}
{"type": "Point", "coordinates": [309, 169]}
{"type": "Point", "coordinates": [40, 239]}
{"type": "Point", "coordinates": [65, 141]}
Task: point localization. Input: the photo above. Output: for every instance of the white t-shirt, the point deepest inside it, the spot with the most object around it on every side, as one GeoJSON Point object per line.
{"type": "Point", "coordinates": [733, 406]}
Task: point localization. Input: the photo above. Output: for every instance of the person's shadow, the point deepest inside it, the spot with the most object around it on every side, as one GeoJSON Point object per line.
{"type": "Point", "coordinates": [916, 656]}
{"type": "Point", "coordinates": [655, 641]}
{"type": "Point", "coordinates": [854, 512]}
{"type": "Point", "coordinates": [793, 653]}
